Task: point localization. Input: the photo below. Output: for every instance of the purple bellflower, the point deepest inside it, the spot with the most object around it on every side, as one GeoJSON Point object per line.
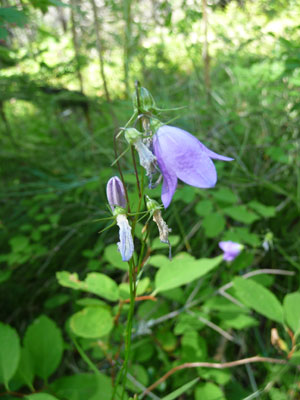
{"type": "Point", "coordinates": [116, 198]}
{"type": "Point", "coordinates": [181, 155]}
{"type": "Point", "coordinates": [231, 250]}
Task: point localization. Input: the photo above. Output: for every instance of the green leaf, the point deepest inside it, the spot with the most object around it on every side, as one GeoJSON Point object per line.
{"type": "Point", "coordinates": [213, 224]}
{"type": "Point", "coordinates": [44, 341]}
{"type": "Point", "coordinates": [183, 269]}
{"type": "Point", "coordinates": [208, 391]}
{"type": "Point", "coordinates": [265, 211]}
{"type": "Point", "coordinates": [102, 285]}
{"type": "Point", "coordinates": [83, 387]}
{"type": "Point", "coordinates": [25, 372]}
{"type": "Point", "coordinates": [40, 396]}
{"type": "Point", "coordinates": [96, 283]}
{"type": "Point", "coordinates": [19, 243]}
{"type": "Point", "coordinates": [113, 256]}
{"type": "Point", "coordinates": [204, 207]}
{"type": "Point", "coordinates": [259, 298]}
{"type": "Point", "coordinates": [174, 395]}
{"type": "Point", "coordinates": [9, 353]}
{"type": "Point", "coordinates": [291, 308]}
{"type": "Point", "coordinates": [91, 322]}
{"type": "Point", "coordinates": [225, 195]}
{"type": "Point", "coordinates": [241, 214]}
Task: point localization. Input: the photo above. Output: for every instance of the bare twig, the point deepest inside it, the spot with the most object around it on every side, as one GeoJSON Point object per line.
{"type": "Point", "coordinates": [257, 272]}
{"type": "Point", "coordinates": [215, 328]}
{"type": "Point", "coordinates": [231, 364]}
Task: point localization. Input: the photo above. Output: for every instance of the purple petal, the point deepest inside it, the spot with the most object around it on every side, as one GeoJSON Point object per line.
{"type": "Point", "coordinates": [183, 154]}
{"type": "Point", "coordinates": [214, 155]}
{"type": "Point", "coordinates": [231, 249]}
{"type": "Point", "coordinates": [196, 169]}
{"type": "Point", "coordinates": [115, 193]}
{"type": "Point", "coordinates": [168, 188]}
{"type": "Point", "coordinates": [125, 245]}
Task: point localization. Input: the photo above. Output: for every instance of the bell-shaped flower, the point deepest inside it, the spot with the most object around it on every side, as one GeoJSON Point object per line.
{"type": "Point", "coordinates": [230, 249]}
{"type": "Point", "coordinates": [116, 198]}
{"type": "Point", "coordinates": [181, 155]}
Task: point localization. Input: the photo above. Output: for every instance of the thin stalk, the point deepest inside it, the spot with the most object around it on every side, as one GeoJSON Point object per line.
{"type": "Point", "coordinates": [205, 52]}
{"type": "Point", "coordinates": [127, 42]}
{"type": "Point", "coordinates": [100, 50]}
{"type": "Point", "coordinates": [76, 44]}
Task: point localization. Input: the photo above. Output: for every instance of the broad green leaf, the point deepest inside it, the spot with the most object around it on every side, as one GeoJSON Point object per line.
{"type": "Point", "coordinates": [208, 391]}
{"type": "Point", "coordinates": [225, 195]}
{"type": "Point", "coordinates": [25, 371]}
{"type": "Point", "coordinates": [213, 224]}
{"type": "Point", "coordinates": [183, 269]}
{"type": "Point", "coordinates": [102, 285]}
{"type": "Point", "coordinates": [44, 341]}
{"type": "Point", "coordinates": [9, 353]}
{"type": "Point", "coordinates": [241, 214]}
{"type": "Point", "coordinates": [96, 283]}
{"type": "Point", "coordinates": [291, 308]}
{"type": "Point", "coordinates": [113, 256]}
{"type": "Point", "coordinates": [19, 243]}
{"type": "Point", "coordinates": [265, 211]}
{"type": "Point", "coordinates": [40, 396]}
{"type": "Point", "coordinates": [84, 387]}
{"type": "Point", "coordinates": [204, 207]}
{"type": "Point", "coordinates": [91, 322]}
{"type": "Point", "coordinates": [259, 298]}
{"type": "Point", "coordinates": [69, 280]}
{"type": "Point", "coordinates": [175, 395]}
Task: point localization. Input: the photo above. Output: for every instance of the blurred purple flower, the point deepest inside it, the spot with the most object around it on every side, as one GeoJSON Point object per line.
{"type": "Point", "coordinates": [181, 155]}
{"type": "Point", "coordinates": [115, 193]}
{"type": "Point", "coordinates": [116, 198]}
{"type": "Point", "coordinates": [231, 249]}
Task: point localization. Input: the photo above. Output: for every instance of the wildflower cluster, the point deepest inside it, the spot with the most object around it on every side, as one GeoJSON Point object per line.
{"type": "Point", "coordinates": [165, 153]}
{"type": "Point", "coordinates": [168, 152]}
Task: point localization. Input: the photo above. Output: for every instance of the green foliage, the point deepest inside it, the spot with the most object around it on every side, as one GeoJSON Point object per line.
{"type": "Point", "coordinates": [91, 322]}
{"type": "Point", "coordinates": [57, 155]}
{"type": "Point", "coordinates": [43, 340]}
{"type": "Point", "coordinates": [9, 353]}
{"type": "Point", "coordinates": [182, 270]}
{"type": "Point", "coordinates": [259, 298]}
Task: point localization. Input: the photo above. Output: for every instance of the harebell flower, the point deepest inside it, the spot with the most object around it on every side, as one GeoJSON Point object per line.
{"type": "Point", "coordinates": [116, 198]}
{"type": "Point", "coordinates": [181, 155]}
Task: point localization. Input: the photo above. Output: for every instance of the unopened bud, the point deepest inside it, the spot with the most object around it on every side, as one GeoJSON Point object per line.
{"type": "Point", "coordinates": [115, 193]}
{"type": "Point", "coordinates": [151, 204]}
{"type": "Point", "coordinates": [146, 102]}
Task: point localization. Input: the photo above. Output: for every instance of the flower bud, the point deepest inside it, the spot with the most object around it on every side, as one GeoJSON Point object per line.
{"type": "Point", "coordinates": [115, 193]}
{"type": "Point", "coordinates": [151, 204]}
{"type": "Point", "coordinates": [146, 100]}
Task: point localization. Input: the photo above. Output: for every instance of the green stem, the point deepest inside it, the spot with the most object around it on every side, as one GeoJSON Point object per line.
{"type": "Point", "coordinates": [84, 356]}
{"type": "Point", "coordinates": [132, 287]}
